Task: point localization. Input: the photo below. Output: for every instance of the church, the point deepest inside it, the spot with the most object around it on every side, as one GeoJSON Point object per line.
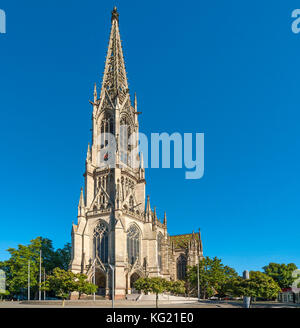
{"type": "Point", "coordinates": [118, 234]}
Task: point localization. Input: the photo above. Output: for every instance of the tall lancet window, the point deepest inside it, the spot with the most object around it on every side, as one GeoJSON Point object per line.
{"type": "Point", "coordinates": [107, 126]}
{"type": "Point", "coordinates": [181, 267]}
{"type": "Point", "coordinates": [125, 132]}
{"type": "Point", "coordinates": [101, 242]}
{"type": "Point", "coordinates": [159, 250]}
{"type": "Point", "coordinates": [133, 244]}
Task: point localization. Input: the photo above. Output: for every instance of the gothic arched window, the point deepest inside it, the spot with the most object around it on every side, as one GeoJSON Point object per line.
{"type": "Point", "coordinates": [107, 126]}
{"type": "Point", "coordinates": [181, 267]}
{"type": "Point", "coordinates": [125, 133]}
{"type": "Point", "coordinates": [101, 242]}
{"type": "Point", "coordinates": [133, 244]}
{"type": "Point", "coordinates": [159, 250]}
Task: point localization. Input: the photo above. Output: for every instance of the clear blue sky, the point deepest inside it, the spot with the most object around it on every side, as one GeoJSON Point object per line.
{"type": "Point", "coordinates": [229, 69]}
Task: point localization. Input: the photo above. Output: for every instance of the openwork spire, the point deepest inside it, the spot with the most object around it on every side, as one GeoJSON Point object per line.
{"type": "Point", "coordinates": [115, 77]}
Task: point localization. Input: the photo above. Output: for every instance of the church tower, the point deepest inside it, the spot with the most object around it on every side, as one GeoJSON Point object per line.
{"type": "Point", "coordinates": [117, 229]}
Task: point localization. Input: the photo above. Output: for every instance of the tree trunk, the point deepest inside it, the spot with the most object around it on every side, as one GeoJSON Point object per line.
{"type": "Point", "coordinates": [157, 301]}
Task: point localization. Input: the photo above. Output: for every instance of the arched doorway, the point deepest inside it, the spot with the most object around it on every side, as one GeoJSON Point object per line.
{"type": "Point", "coordinates": [133, 278]}
{"type": "Point", "coordinates": [100, 281]}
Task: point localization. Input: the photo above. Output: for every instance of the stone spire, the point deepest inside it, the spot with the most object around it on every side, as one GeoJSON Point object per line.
{"type": "Point", "coordinates": [81, 206]}
{"type": "Point", "coordinates": [148, 210]}
{"type": "Point", "coordinates": [165, 219]}
{"type": "Point", "coordinates": [115, 77]}
{"type": "Point", "coordinates": [154, 220]}
{"type": "Point", "coordinates": [95, 93]}
{"type": "Point", "coordinates": [135, 102]}
{"type": "Point", "coordinates": [88, 154]}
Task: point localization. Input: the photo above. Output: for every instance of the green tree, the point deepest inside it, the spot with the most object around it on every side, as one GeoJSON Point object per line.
{"type": "Point", "coordinates": [3, 293]}
{"type": "Point", "coordinates": [281, 273]}
{"type": "Point", "coordinates": [63, 283]}
{"type": "Point", "coordinates": [158, 286]}
{"type": "Point", "coordinates": [83, 286]}
{"type": "Point", "coordinates": [176, 287]}
{"type": "Point", "coordinates": [52, 259]}
{"type": "Point", "coordinates": [16, 268]}
{"type": "Point", "coordinates": [214, 277]}
{"type": "Point", "coordinates": [259, 285]}
{"type": "Point", "coordinates": [63, 256]}
{"type": "Point", "coordinates": [263, 285]}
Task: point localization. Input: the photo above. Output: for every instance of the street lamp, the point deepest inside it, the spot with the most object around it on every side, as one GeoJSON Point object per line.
{"type": "Point", "coordinates": [40, 277]}
{"type": "Point", "coordinates": [112, 267]}
{"type": "Point", "coordinates": [28, 291]}
{"type": "Point", "coordinates": [198, 282]}
{"type": "Point", "coordinates": [94, 277]}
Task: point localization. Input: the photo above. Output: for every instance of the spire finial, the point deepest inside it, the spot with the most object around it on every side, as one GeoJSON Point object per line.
{"type": "Point", "coordinates": [88, 153]}
{"type": "Point", "coordinates": [81, 207]}
{"type": "Point", "coordinates": [95, 93]}
{"type": "Point", "coordinates": [148, 209]}
{"type": "Point", "coordinates": [165, 219]}
{"type": "Point", "coordinates": [155, 217]}
{"type": "Point", "coordinates": [135, 102]}
{"type": "Point", "coordinates": [115, 15]}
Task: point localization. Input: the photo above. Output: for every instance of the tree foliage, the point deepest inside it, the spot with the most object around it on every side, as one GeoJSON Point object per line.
{"type": "Point", "coordinates": [16, 267]}
{"type": "Point", "coordinates": [158, 286]}
{"type": "Point", "coordinates": [214, 277]}
{"type": "Point", "coordinates": [259, 285]}
{"type": "Point", "coordinates": [83, 286]}
{"type": "Point", "coordinates": [281, 273]}
{"type": "Point", "coordinates": [63, 282]}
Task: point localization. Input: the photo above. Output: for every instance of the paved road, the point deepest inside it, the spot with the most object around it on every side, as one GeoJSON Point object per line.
{"type": "Point", "coordinates": [130, 304]}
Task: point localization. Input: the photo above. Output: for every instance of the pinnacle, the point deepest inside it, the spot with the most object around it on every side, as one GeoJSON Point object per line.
{"type": "Point", "coordinates": [115, 14]}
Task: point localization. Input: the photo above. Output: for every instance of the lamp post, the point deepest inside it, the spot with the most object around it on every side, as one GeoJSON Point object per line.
{"type": "Point", "coordinates": [40, 280]}
{"type": "Point", "coordinates": [94, 278]}
{"type": "Point", "coordinates": [94, 264]}
{"type": "Point", "coordinates": [28, 288]}
{"type": "Point", "coordinates": [198, 280]}
{"type": "Point", "coordinates": [44, 283]}
{"type": "Point", "coordinates": [112, 267]}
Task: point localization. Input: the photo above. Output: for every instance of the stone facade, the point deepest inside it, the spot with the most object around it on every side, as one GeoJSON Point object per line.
{"type": "Point", "coordinates": [116, 224]}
